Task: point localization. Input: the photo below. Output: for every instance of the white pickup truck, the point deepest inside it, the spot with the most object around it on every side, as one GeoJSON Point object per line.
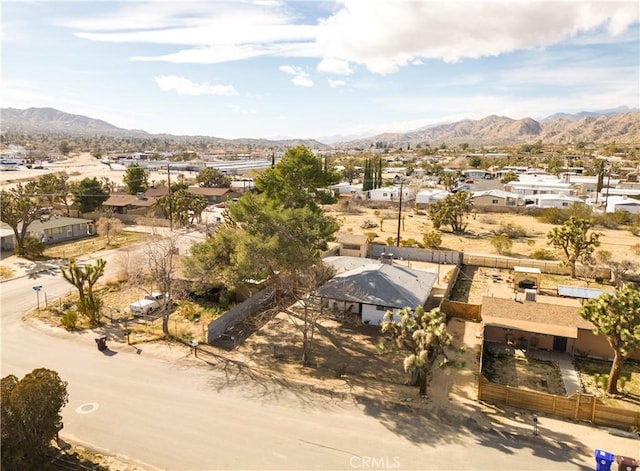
{"type": "Point", "coordinates": [146, 305]}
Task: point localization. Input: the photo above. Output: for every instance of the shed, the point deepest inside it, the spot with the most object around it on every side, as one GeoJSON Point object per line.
{"type": "Point", "coordinates": [526, 277]}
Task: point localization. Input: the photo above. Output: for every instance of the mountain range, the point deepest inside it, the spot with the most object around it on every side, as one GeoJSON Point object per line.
{"type": "Point", "coordinates": [621, 126]}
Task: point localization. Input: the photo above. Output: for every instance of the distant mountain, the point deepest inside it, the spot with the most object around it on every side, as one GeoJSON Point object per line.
{"type": "Point", "coordinates": [588, 114]}
{"type": "Point", "coordinates": [620, 128]}
{"type": "Point", "coordinates": [52, 121]}
{"type": "Point", "coordinates": [56, 122]}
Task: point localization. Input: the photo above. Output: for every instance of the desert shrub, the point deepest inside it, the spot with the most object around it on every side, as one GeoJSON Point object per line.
{"type": "Point", "coordinates": [391, 241]}
{"type": "Point", "coordinates": [635, 229]}
{"type": "Point", "coordinates": [542, 254]}
{"type": "Point", "coordinates": [488, 220]}
{"type": "Point", "coordinates": [432, 239]}
{"type": "Point", "coordinates": [368, 224]}
{"type": "Point", "coordinates": [502, 244]}
{"type": "Point", "coordinates": [371, 236]}
{"type": "Point", "coordinates": [410, 242]}
{"type": "Point", "coordinates": [5, 273]}
{"type": "Point", "coordinates": [69, 320]}
{"type": "Point", "coordinates": [559, 216]}
{"type": "Point", "coordinates": [512, 231]}
{"type": "Point", "coordinates": [33, 248]}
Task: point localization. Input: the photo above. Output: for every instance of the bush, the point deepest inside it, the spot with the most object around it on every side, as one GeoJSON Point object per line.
{"type": "Point", "coordinates": [542, 254]}
{"type": "Point", "coordinates": [432, 240]}
{"type": "Point", "coordinates": [410, 242]}
{"type": "Point", "coordinates": [512, 231]}
{"type": "Point", "coordinates": [33, 248]}
{"type": "Point", "coordinates": [502, 244]}
{"type": "Point", "coordinates": [371, 236]}
{"type": "Point", "coordinates": [69, 320]}
{"type": "Point", "coordinates": [635, 229]}
{"type": "Point", "coordinates": [391, 241]}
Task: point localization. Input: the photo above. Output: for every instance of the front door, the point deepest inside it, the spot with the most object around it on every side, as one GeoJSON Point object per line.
{"type": "Point", "coordinates": [559, 344]}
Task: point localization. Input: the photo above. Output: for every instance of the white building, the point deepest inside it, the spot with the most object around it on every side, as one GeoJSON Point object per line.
{"type": "Point", "coordinates": [556, 201]}
{"type": "Point", "coordinates": [431, 196]}
{"type": "Point", "coordinates": [476, 173]}
{"type": "Point", "coordinates": [391, 193]}
{"type": "Point", "coordinates": [622, 203]}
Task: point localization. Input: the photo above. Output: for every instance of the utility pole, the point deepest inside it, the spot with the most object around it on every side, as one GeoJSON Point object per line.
{"type": "Point", "coordinates": [399, 214]}
{"type": "Point", "coordinates": [606, 199]}
{"type": "Point", "coordinates": [170, 199]}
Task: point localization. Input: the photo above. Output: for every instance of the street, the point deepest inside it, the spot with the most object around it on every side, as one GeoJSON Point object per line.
{"type": "Point", "coordinates": [180, 413]}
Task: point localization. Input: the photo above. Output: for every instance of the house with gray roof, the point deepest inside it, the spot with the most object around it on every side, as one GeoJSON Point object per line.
{"type": "Point", "coordinates": [370, 288]}
{"type": "Point", "coordinates": [50, 230]}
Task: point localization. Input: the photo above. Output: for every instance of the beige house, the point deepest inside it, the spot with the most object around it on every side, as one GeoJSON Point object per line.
{"type": "Point", "coordinates": [497, 198]}
{"type": "Point", "coordinates": [543, 326]}
{"type": "Point", "coordinates": [129, 204]}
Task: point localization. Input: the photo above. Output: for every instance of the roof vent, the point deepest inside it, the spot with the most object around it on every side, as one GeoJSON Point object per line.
{"type": "Point", "coordinates": [386, 258]}
{"type": "Point", "coordinates": [530, 295]}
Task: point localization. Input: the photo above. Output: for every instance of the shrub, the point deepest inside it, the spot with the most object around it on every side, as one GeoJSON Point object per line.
{"type": "Point", "coordinates": [635, 229]}
{"type": "Point", "coordinates": [502, 244]}
{"type": "Point", "coordinates": [410, 242]}
{"type": "Point", "coordinates": [391, 241]}
{"type": "Point", "coordinates": [512, 231]}
{"type": "Point", "coordinates": [542, 254]}
{"type": "Point", "coordinates": [69, 320]}
{"type": "Point", "coordinates": [432, 239]}
{"type": "Point", "coordinates": [33, 248]}
{"type": "Point", "coordinates": [371, 236]}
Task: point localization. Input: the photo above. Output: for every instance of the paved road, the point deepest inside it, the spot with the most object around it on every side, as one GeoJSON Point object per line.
{"type": "Point", "coordinates": [186, 415]}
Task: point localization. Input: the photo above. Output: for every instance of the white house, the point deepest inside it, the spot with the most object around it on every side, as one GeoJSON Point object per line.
{"type": "Point", "coordinates": [539, 187]}
{"type": "Point", "coordinates": [476, 173]}
{"type": "Point", "coordinates": [622, 203]}
{"type": "Point", "coordinates": [556, 201]}
{"type": "Point", "coordinates": [391, 193]}
{"type": "Point", "coordinates": [345, 188]}
{"type": "Point", "coordinates": [431, 196]}
{"type": "Point", "coordinates": [375, 287]}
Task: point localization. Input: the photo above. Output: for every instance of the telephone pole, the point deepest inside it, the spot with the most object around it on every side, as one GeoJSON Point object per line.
{"type": "Point", "coordinates": [170, 199]}
{"type": "Point", "coordinates": [399, 214]}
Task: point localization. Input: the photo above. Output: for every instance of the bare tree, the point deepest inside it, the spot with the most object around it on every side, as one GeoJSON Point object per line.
{"type": "Point", "coordinates": [109, 227]}
{"type": "Point", "coordinates": [162, 255]}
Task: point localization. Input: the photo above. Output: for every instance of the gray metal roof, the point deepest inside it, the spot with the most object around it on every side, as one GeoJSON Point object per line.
{"type": "Point", "coordinates": [381, 284]}
{"type": "Point", "coordinates": [580, 292]}
{"type": "Point", "coordinates": [61, 221]}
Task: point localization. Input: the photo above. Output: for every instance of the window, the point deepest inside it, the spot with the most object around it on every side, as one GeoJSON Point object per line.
{"type": "Point", "coordinates": [55, 230]}
{"type": "Point", "coordinates": [494, 201]}
{"type": "Point", "coordinates": [350, 247]}
{"type": "Point", "coordinates": [565, 204]}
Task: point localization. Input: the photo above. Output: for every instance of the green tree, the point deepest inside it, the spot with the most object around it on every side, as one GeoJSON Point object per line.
{"type": "Point", "coordinates": [509, 177]}
{"type": "Point", "coordinates": [423, 335]}
{"type": "Point", "coordinates": [182, 206]}
{"type": "Point", "coordinates": [213, 178]}
{"type": "Point", "coordinates": [617, 316]}
{"type": "Point", "coordinates": [574, 239]}
{"type": "Point", "coordinates": [30, 418]}
{"type": "Point", "coordinates": [297, 180]}
{"type": "Point", "coordinates": [64, 147]}
{"type": "Point", "coordinates": [136, 179]}
{"type": "Point", "coordinates": [54, 189]}
{"type": "Point", "coordinates": [84, 278]}
{"type": "Point", "coordinates": [89, 194]}
{"type": "Point", "coordinates": [452, 210]}
{"type": "Point", "coordinates": [18, 209]}
{"type": "Point", "coordinates": [475, 161]}
{"type": "Point", "coordinates": [432, 240]}
{"type": "Point", "coordinates": [449, 181]}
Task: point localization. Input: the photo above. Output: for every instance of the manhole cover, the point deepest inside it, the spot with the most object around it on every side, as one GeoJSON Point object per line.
{"type": "Point", "coordinates": [87, 408]}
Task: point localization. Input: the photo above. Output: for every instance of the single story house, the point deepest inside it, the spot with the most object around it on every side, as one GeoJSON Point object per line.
{"type": "Point", "coordinates": [212, 195]}
{"type": "Point", "coordinates": [391, 193]}
{"type": "Point", "coordinates": [496, 198]}
{"type": "Point", "coordinates": [121, 203]}
{"type": "Point", "coordinates": [431, 196]}
{"type": "Point", "coordinates": [375, 287]}
{"type": "Point", "coordinates": [50, 230]}
{"type": "Point", "coordinates": [541, 187]}
{"type": "Point", "coordinates": [346, 188]}
{"type": "Point", "coordinates": [476, 173]}
{"type": "Point", "coordinates": [556, 201]}
{"type": "Point", "coordinates": [544, 326]}
{"type": "Point", "coordinates": [353, 245]}
{"type": "Point", "coordinates": [622, 203]}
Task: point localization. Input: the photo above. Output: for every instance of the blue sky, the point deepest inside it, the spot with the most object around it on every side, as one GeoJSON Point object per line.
{"type": "Point", "coordinates": [312, 69]}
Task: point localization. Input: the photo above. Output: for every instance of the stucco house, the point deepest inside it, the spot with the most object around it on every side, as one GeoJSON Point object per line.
{"type": "Point", "coordinates": [496, 198]}
{"type": "Point", "coordinates": [427, 197]}
{"type": "Point", "coordinates": [371, 288]}
{"type": "Point", "coordinates": [544, 326]}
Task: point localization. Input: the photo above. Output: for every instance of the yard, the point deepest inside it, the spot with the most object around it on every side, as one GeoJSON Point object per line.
{"type": "Point", "coordinates": [78, 248]}
{"type": "Point", "coordinates": [593, 373]}
{"type": "Point", "coordinates": [512, 367]}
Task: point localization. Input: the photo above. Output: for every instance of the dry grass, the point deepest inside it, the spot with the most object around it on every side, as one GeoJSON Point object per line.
{"type": "Point", "coordinates": [78, 248]}
{"type": "Point", "coordinates": [5, 273]}
{"type": "Point", "coordinates": [629, 398]}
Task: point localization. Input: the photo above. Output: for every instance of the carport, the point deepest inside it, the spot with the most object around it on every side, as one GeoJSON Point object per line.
{"type": "Point", "coordinates": [524, 277]}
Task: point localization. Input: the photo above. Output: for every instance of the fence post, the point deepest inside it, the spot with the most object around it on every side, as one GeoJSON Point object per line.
{"type": "Point", "coordinates": [577, 408]}
{"type": "Point", "coordinates": [507, 396]}
{"type": "Point", "coordinates": [593, 408]}
{"type": "Point", "coordinates": [553, 405]}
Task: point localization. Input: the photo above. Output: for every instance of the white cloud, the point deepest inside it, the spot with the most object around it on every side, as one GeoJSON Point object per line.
{"type": "Point", "coordinates": [336, 83]}
{"type": "Point", "coordinates": [184, 86]}
{"type": "Point", "coordinates": [300, 77]}
{"type": "Point", "coordinates": [382, 35]}
{"type": "Point", "coordinates": [332, 65]}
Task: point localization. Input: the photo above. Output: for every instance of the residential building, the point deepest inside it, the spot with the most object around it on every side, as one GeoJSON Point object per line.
{"type": "Point", "coordinates": [496, 198]}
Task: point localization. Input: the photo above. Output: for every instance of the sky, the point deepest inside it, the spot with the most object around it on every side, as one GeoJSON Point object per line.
{"type": "Point", "coordinates": [317, 69]}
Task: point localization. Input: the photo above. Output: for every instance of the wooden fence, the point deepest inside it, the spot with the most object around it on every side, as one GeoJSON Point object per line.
{"type": "Point", "coordinates": [577, 406]}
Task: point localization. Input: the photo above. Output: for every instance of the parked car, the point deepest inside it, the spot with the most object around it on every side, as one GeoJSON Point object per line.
{"type": "Point", "coordinates": [469, 180]}
{"type": "Point", "coordinates": [148, 304]}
